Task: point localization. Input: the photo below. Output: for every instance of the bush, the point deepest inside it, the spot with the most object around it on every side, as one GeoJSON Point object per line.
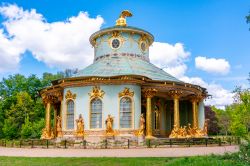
{"type": "Point", "coordinates": [27, 129]}
{"type": "Point", "coordinates": [37, 128]}
{"type": "Point", "coordinates": [238, 129]}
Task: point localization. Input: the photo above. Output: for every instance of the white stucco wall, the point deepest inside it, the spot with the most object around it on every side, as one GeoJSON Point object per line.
{"type": "Point", "coordinates": [110, 103]}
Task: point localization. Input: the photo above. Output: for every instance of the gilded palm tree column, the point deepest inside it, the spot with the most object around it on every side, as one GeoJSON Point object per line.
{"type": "Point", "coordinates": [55, 115]}
{"type": "Point", "coordinates": [149, 93]}
{"type": "Point", "coordinates": [47, 122]}
{"type": "Point", "coordinates": [176, 111]}
{"type": "Point", "coordinates": [195, 113]}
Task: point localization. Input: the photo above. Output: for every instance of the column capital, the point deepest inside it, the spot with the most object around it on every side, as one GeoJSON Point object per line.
{"type": "Point", "coordinates": [197, 98]}
{"type": "Point", "coordinates": [176, 94]}
{"type": "Point", "coordinates": [52, 97]}
{"type": "Point", "coordinates": [149, 93]}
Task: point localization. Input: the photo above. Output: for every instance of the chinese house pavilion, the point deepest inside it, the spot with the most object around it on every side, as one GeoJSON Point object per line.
{"type": "Point", "coordinates": [122, 94]}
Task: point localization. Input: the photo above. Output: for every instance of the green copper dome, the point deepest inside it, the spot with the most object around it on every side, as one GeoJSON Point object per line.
{"type": "Point", "coordinates": [124, 65]}
{"type": "Point", "coordinates": [123, 50]}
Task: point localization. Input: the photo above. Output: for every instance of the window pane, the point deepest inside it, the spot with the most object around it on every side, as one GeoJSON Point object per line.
{"type": "Point", "coordinates": [96, 113]}
{"type": "Point", "coordinates": [125, 113]}
{"type": "Point", "coordinates": [70, 114]}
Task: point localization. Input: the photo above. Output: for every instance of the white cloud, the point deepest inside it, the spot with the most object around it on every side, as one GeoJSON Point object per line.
{"type": "Point", "coordinates": [169, 57]}
{"type": "Point", "coordinates": [172, 59]}
{"type": "Point", "coordinates": [65, 44]}
{"type": "Point", "coordinates": [212, 65]}
{"type": "Point", "coordinates": [220, 96]}
{"type": "Point", "coordinates": [9, 53]}
{"type": "Point", "coordinates": [62, 44]}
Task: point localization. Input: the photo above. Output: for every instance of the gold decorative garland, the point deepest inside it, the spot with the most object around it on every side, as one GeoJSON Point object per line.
{"type": "Point", "coordinates": [126, 92]}
{"type": "Point", "coordinates": [96, 92]}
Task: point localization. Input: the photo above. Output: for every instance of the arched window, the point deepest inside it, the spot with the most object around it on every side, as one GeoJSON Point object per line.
{"type": "Point", "coordinates": [70, 114]}
{"type": "Point", "coordinates": [96, 114]}
{"type": "Point", "coordinates": [125, 112]}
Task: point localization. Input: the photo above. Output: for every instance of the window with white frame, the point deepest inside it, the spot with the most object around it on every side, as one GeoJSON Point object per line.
{"type": "Point", "coordinates": [125, 112]}
{"type": "Point", "coordinates": [96, 114]}
{"type": "Point", "coordinates": [70, 114]}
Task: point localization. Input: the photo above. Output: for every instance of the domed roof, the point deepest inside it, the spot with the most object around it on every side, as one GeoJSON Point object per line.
{"type": "Point", "coordinates": [125, 65]}
{"type": "Point", "coordinates": [123, 29]}
{"type": "Point", "coordinates": [132, 58]}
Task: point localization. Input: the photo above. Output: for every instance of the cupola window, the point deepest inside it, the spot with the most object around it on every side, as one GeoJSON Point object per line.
{"type": "Point", "coordinates": [115, 43]}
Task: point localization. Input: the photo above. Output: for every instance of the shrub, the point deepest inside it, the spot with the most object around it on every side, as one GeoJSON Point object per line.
{"type": "Point", "coordinates": [27, 129]}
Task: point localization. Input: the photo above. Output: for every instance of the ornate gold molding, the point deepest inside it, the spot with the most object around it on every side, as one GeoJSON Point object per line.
{"type": "Point", "coordinates": [52, 96]}
{"type": "Point", "coordinates": [70, 95]}
{"type": "Point", "coordinates": [197, 97]}
{"type": "Point", "coordinates": [126, 92]}
{"type": "Point", "coordinates": [96, 92]}
{"type": "Point", "coordinates": [149, 92]}
{"type": "Point", "coordinates": [176, 94]}
{"type": "Point", "coordinates": [121, 21]}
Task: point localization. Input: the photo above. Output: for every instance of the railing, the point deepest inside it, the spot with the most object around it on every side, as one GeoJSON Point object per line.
{"type": "Point", "coordinates": [122, 144]}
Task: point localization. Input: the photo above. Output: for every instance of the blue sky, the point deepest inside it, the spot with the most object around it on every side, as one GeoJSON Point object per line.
{"type": "Point", "coordinates": [209, 28]}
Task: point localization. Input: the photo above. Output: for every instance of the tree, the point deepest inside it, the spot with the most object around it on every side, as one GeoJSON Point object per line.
{"type": "Point", "coordinates": [37, 128]}
{"type": "Point", "coordinates": [10, 129]}
{"type": "Point", "coordinates": [224, 120]}
{"type": "Point", "coordinates": [27, 130]}
{"type": "Point", "coordinates": [19, 98]}
{"type": "Point", "coordinates": [48, 77]}
{"type": "Point", "coordinates": [248, 18]}
{"type": "Point", "coordinates": [213, 127]}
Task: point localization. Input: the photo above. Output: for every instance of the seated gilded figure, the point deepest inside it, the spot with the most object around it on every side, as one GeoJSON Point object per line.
{"type": "Point", "coordinates": [184, 132]}
{"type": "Point", "coordinates": [174, 132]}
{"type": "Point", "coordinates": [141, 130]}
{"type": "Point", "coordinates": [46, 134]}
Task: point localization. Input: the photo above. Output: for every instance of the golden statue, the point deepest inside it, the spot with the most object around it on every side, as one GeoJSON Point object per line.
{"type": "Point", "coordinates": [109, 125]}
{"type": "Point", "coordinates": [205, 128]}
{"type": "Point", "coordinates": [121, 21]}
{"type": "Point", "coordinates": [142, 126]}
{"type": "Point", "coordinates": [174, 132]}
{"type": "Point", "coordinates": [47, 134]}
{"type": "Point", "coordinates": [188, 132]}
{"type": "Point", "coordinates": [59, 126]}
{"type": "Point", "coordinates": [79, 126]}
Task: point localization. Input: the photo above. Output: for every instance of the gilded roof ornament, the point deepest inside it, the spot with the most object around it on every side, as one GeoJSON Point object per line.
{"type": "Point", "coordinates": [70, 95]}
{"type": "Point", "coordinates": [121, 21]}
{"type": "Point", "coordinates": [96, 92]}
{"type": "Point", "coordinates": [126, 92]}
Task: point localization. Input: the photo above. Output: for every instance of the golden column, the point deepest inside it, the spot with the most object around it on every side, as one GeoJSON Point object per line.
{"type": "Point", "coordinates": [195, 112]}
{"type": "Point", "coordinates": [47, 122]}
{"type": "Point", "coordinates": [55, 120]}
{"type": "Point", "coordinates": [149, 93]}
{"type": "Point", "coordinates": [176, 110]}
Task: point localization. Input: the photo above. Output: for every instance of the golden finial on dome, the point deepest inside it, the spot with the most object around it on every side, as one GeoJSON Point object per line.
{"type": "Point", "coordinates": [121, 21]}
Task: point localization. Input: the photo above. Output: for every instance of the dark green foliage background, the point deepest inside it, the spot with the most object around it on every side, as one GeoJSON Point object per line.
{"type": "Point", "coordinates": [21, 108]}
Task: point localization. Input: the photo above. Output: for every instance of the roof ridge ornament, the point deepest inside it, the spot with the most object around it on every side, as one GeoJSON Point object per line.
{"type": "Point", "coordinates": [121, 21]}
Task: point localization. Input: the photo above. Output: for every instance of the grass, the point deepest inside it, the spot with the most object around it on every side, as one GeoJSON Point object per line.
{"type": "Point", "coordinates": [212, 160]}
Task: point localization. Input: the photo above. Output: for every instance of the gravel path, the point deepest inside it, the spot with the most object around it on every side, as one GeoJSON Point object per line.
{"type": "Point", "coordinates": [151, 152]}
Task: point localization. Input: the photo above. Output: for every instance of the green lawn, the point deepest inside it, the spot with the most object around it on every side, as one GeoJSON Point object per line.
{"type": "Point", "coordinates": [226, 160]}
